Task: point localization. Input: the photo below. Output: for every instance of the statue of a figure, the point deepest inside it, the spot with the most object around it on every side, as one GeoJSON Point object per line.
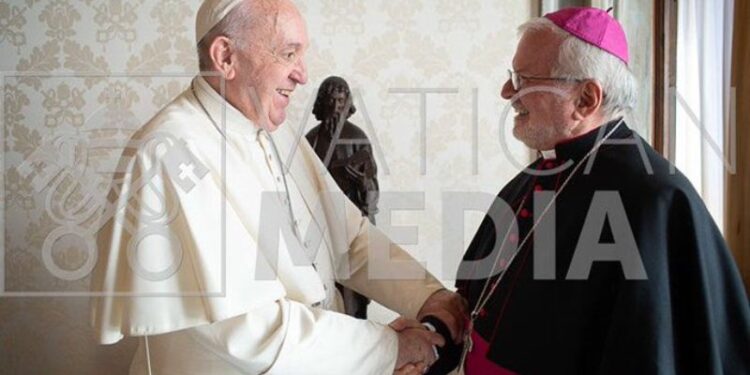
{"type": "Point", "coordinates": [346, 152]}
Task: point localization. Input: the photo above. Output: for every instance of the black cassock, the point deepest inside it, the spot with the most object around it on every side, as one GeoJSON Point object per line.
{"type": "Point", "coordinates": [690, 315]}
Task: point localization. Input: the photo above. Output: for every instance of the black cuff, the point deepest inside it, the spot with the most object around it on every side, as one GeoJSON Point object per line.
{"type": "Point", "coordinates": [450, 353]}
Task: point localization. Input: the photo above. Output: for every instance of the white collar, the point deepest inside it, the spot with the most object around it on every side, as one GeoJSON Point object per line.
{"type": "Point", "coordinates": [549, 154]}
{"type": "Point", "coordinates": [216, 106]}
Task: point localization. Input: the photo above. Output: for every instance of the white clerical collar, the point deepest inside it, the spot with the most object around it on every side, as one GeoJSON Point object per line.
{"type": "Point", "coordinates": [216, 105]}
{"type": "Point", "coordinates": [549, 154]}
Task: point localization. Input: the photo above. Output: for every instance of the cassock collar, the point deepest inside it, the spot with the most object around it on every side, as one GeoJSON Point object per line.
{"type": "Point", "coordinates": [215, 105]}
{"type": "Point", "coordinates": [576, 148]}
{"type": "Point", "coordinates": [548, 154]}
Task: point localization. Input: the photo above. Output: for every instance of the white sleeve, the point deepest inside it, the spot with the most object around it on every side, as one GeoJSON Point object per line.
{"type": "Point", "coordinates": [290, 338]}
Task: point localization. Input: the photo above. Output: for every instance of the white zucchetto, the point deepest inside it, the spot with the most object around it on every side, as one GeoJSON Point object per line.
{"type": "Point", "coordinates": [210, 14]}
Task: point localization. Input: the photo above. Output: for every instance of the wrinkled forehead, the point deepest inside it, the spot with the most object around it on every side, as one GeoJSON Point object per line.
{"type": "Point", "coordinates": [537, 52]}
{"type": "Point", "coordinates": [280, 25]}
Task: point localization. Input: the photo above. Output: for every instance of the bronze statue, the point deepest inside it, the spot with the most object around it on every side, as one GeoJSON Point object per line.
{"type": "Point", "coordinates": [346, 152]}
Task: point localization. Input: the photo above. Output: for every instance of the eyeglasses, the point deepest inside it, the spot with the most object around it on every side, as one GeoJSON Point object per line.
{"type": "Point", "coordinates": [518, 80]}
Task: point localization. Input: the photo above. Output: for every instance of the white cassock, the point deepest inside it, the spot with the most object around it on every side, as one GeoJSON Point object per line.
{"type": "Point", "coordinates": [188, 260]}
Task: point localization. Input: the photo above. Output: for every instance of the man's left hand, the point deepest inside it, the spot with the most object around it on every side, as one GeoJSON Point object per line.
{"type": "Point", "coordinates": [450, 308]}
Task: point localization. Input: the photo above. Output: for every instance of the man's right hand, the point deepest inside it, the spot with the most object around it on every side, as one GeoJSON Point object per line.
{"type": "Point", "coordinates": [415, 343]}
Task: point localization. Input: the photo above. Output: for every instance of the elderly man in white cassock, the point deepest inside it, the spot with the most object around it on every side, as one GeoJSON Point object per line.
{"type": "Point", "coordinates": [227, 233]}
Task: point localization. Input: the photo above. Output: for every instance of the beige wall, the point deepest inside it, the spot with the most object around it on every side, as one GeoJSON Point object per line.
{"type": "Point", "coordinates": [463, 46]}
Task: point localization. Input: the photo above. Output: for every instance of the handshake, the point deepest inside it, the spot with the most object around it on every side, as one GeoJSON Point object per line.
{"type": "Point", "coordinates": [440, 324]}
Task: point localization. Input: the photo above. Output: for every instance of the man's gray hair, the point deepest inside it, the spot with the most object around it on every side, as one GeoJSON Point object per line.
{"type": "Point", "coordinates": [580, 60]}
{"type": "Point", "coordinates": [234, 26]}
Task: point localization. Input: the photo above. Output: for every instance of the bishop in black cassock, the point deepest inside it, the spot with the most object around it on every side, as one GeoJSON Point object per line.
{"type": "Point", "coordinates": [600, 257]}
{"type": "Point", "coordinates": [689, 315]}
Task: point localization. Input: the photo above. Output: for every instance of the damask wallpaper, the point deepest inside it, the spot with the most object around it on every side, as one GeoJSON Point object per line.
{"type": "Point", "coordinates": [79, 76]}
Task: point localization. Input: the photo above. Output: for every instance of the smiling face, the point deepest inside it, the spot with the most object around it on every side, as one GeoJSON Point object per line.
{"type": "Point", "coordinates": [544, 109]}
{"type": "Point", "coordinates": [270, 66]}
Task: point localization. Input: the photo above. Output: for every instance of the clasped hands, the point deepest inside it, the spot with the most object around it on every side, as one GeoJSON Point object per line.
{"type": "Point", "coordinates": [416, 344]}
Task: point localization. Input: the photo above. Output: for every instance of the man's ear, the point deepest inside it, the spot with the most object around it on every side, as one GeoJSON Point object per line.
{"type": "Point", "coordinates": [590, 98]}
{"type": "Point", "coordinates": [223, 57]}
